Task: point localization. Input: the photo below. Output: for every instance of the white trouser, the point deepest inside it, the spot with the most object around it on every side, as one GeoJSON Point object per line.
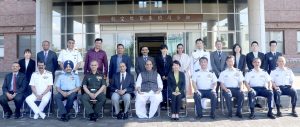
{"type": "Point", "coordinates": [141, 101]}
{"type": "Point", "coordinates": [38, 109]}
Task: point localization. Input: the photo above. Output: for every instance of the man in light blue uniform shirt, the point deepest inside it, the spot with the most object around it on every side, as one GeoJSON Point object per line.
{"type": "Point", "coordinates": [67, 86]}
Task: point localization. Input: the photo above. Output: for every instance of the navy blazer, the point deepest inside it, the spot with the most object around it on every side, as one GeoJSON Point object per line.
{"type": "Point", "coordinates": [172, 82]}
{"type": "Point", "coordinates": [217, 65]}
{"type": "Point", "coordinates": [29, 70]}
{"type": "Point", "coordinates": [250, 57]}
{"type": "Point", "coordinates": [21, 83]}
{"type": "Point", "coordinates": [128, 83]}
{"type": "Point", "coordinates": [242, 63]}
{"type": "Point", "coordinates": [270, 61]}
{"type": "Point", "coordinates": [51, 63]}
{"type": "Point", "coordinates": [140, 64]}
{"type": "Point", "coordinates": [161, 69]}
{"type": "Point", "coordinates": [113, 64]}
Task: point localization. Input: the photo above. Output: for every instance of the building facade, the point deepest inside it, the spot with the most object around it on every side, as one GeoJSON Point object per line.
{"type": "Point", "coordinates": [137, 23]}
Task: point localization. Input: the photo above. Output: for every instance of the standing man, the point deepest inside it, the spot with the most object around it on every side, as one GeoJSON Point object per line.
{"type": "Point", "coordinates": [254, 54]}
{"type": "Point", "coordinates": [204, 83]}
{"type": "Point", "coordinates": [164, 66]}
{"type": "Point", "coordinates": [99, 55]}
{"type": "Point", "coordinates": [13, 88]}
{"type": "Point", "coordinates": [283, 84]}
{"type": "Point", "coordinates": [94, 85]}
{"type": "Point", "coordinates": [49, 57]}
{"type": "Point", "coordinates": [122, 87]}
{"type": "Point", "coordinates": [199, 52]}
{"type": "Point", "coordinates": [41, 83]}
{"type": "Point", "coordinates": [258, 83]}
{"type": "Point", "coordinates": [115, 60]}
{"type": "Point", "coordinates": [67, 86]}
{"type": "Point", "coordinates": [70, 54]}
{"type": "Point", "coordinates": [231, 81]}
{"type": "Point", "coordinates": [271, 57]}
{"type": "Point", "coordinates": [141, 61]}
{"type": "Point", "coordinates": [149, 87]}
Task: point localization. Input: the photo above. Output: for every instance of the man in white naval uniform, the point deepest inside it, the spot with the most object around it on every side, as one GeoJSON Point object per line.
{"type": "Point", "coordinates": [199, 52]}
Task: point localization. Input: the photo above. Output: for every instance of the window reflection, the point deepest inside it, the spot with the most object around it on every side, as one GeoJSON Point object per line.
{"type": "Point", "coordinates": [127, 39]}
{"type": "Point", "coordinates": [173, 40]}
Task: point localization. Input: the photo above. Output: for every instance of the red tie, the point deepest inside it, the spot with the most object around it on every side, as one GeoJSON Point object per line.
{"type": "Point", "coordinates": [15, 83]}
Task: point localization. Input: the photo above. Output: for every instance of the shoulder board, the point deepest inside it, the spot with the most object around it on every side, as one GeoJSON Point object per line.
{"type": "Point", "coordinates": [211, 71]}
{"type": "Point", "coordinates": [197, 70]}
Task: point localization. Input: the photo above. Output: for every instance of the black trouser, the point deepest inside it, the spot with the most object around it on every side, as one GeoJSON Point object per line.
{"type": "Point", "coordinates": [59, 98]}
{"type": "Point", "coordinates": [260, 91]}
{"type": "Point", "coordinates": [285, 90]}
{"type": "Point", "coordinates": [89, 108]}
{"type": "Point", "coordinates": [165, 93]}
{"type": "Point", "coordinates": [176, 103]}
{"type": "Point", "coordinates": [205, 94]}
{"type": "Point", "coordinates": [238, 94]}
{"type": "Point", "coordinates": [18, 99]}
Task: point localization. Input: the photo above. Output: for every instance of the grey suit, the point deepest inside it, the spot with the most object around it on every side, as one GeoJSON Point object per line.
{"type": "Point", "coordinates": [218, 65]}
{"type": "Point", "coordinates": [140, 64]}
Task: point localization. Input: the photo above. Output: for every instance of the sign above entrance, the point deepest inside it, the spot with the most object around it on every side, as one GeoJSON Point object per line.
{"type": "Point", "coordinates": [150, 18]}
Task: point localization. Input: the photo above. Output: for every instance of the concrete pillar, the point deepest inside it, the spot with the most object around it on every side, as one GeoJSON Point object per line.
{"type": "Point", "coordinates": [257, 23]}
{"type": "Point", "coordinates": [43, 22]}
{"type": "Point", "coordinates": [211, 36]}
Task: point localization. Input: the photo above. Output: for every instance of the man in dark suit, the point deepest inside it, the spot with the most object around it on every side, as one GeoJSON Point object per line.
{"type": "Point", "coordinates": [115, 61]}
{"type": "Point", "coordinates": [13, 89]}
{"type": "Point", "coordinates": [254, 54]}
{"type": "Point", "coordinates": [122, 87]}
{"type": "Point", "coordinates": [27, 67]}
{"type": "Point", "coordinates": [164, 66]}
{"type": "Point", "coordinates": [49, 57]}
{"type": "Point", "coordinates": [271, 57]}
{"type": "Point", "coordinates": [218, 59]}
{"type": "Point", "coordinates": [141, 61]}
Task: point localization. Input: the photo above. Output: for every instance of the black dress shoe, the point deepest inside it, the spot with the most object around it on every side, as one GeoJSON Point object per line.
{"type": "Point", "coordinates": [279, 114]}
{"type": "Point", "coordinates": [229, 115]}
{"type": "Point", "coordinates": [294, 114]}
{"type": "Point", "coordinates": [271, 115]}
{"type": "Point", "coordinates": [199, 116]}
{"type": "Point", "coordinates": [119, 115]}
{"type": "Point", "coordinates": [8, 115]}
{"type": "Point", "coordinates": [258, 105]}
{"type": "Point", "coordinates": [239, 115]}
{"type": "Point", "coordinates": [213, 116]}
{"type": "Point", "coordinates": [91, 116]}
{"type": "Point", "coordinates": [252, 116]}
{"type": "Point", "coordinates": [125, 116]}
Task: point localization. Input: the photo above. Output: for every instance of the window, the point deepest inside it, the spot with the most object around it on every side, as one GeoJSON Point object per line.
{"type": "Point", "coordinates": [1, 45]}
{"type": "Point", "coordinates": [277, 36]}
{"type": "Point", "coordinates": [26, 42]}
{"type": "Point", "coordinates": [298, 41]}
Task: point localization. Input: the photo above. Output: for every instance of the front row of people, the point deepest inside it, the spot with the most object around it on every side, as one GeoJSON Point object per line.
{"type": "Point", "coordinates": [148, 89]}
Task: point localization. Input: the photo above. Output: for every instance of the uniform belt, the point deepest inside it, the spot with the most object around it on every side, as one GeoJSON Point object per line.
{"type": "Point", "coordinates": [93, 90]}
{"type": "Point", "coordinates": [285, 86]}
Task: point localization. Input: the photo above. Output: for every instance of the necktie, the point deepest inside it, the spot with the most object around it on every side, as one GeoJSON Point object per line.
{"type": "Point", "coordinates": [122, 81]}
{"type": "Point", "coordinates": [45, 58]}
{"type": "Point", "coordinates": [145, 58]}
{"type": "Point", "coordinates": [219, 54]}
{"type": "Point", "coordinates": [15, 83]}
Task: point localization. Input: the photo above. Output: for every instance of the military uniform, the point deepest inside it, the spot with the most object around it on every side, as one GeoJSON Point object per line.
{"type": "Point", "coordinates": [73, 55]}
{"type": "Point", "coordinates": [93, 82]}
{"type": "Point", "coordinates": [204, 80]}
{"type": "Point", "coordinates": [231, 79]}
{"type": "Point", "coordinates": [284, 78]}
{"type": "Point", "coordinates": [195, 66]}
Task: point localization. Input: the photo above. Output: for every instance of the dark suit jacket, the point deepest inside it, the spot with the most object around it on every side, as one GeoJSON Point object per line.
{"type": "Point", "coordinates": [113, 64]}
{"type": "Point", "coordinates": [172, 82]}
{"type": "Point", "coordinates": [29, 70]}
{"type": "Point", "coordinates": [217, 65]}
{"type": "Point", "coordinates": [51, 63]}
{"type": "Point", "coordinates": [270, 61]}
{"type": "Point", "coordinates": [242, 63]}
{"type": "Point", "coordinates": [140, 64]}
{"type": "Point", "coordinates": [250, 57]}
{"type": "Point", "coordinates": [161, 69]}
{"type": "Point", "coordinates": [128, 83]}
{"type": "Point", "coordinates": [21, 83]}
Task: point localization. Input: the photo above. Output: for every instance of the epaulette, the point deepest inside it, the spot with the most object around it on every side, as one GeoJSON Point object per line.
{"type": "Point", "coordinates": [197, 70]}
{"type": "Point", "coordinates": [211, 71]}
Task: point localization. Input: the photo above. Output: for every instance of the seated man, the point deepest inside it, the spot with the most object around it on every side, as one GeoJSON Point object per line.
{"type": "Point", "coordinates": [94, 85]}
{"type": "Point", "coordinates": [148, 86]}
{"type": "Point", "coordinates": [204, 83]}
{"type": "Point", "coordinates": [41, 83]}
{"type": "Point", "coordinates": [67, 86]}
{"type": "Point", "coordinates": [258, 83]}
{"type": "Point", "coordinates": [13, 88]}
{"type": "Point", "coordinates": [231, 80]}
{"type": "Point", "coordinates": [122, 86]}
{"type": "Point", "coordinates": [283, 79]}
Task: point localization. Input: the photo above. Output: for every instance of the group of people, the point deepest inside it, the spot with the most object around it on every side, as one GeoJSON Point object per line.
{"type": "Point", "coordinates": [160, 80]}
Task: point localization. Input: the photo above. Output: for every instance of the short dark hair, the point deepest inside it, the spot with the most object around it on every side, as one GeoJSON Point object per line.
{"type": "Point", "coordinates": [163, 46]}
{"type": "Point", "coordinates": [15, 63]}
{"type": "Point", "coordinates": [254, 42]}
{"type": "Point", "coordinates": [98, 39]}
{"type": "Point", "coordinates": [180, 45]}
{"type": "Point", "coordinates": [71, 39]}
{"type": "Point", "coordinates": [233, 48]}
{"type": "Point", "coordinates": [254, 59]}
{"type": "Point", "coordinates": [177, 62]}
{"type": "Point", "coordinates": [199, 39]}
{"type": "Point", "coordinates": [41, 61]}
{"type": "Point", "coordinates": [203, 58]}
{"type": "Point", "coordinates": [27, 51]}
{"type": "Point", "coordinates": [230, 57]}
{"type": "Point", "coordinates": [120, 45]}
{"type": "Point", "coordinates": [144, 47]}
{"type": "Point", "coordinates": [273, 41]}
